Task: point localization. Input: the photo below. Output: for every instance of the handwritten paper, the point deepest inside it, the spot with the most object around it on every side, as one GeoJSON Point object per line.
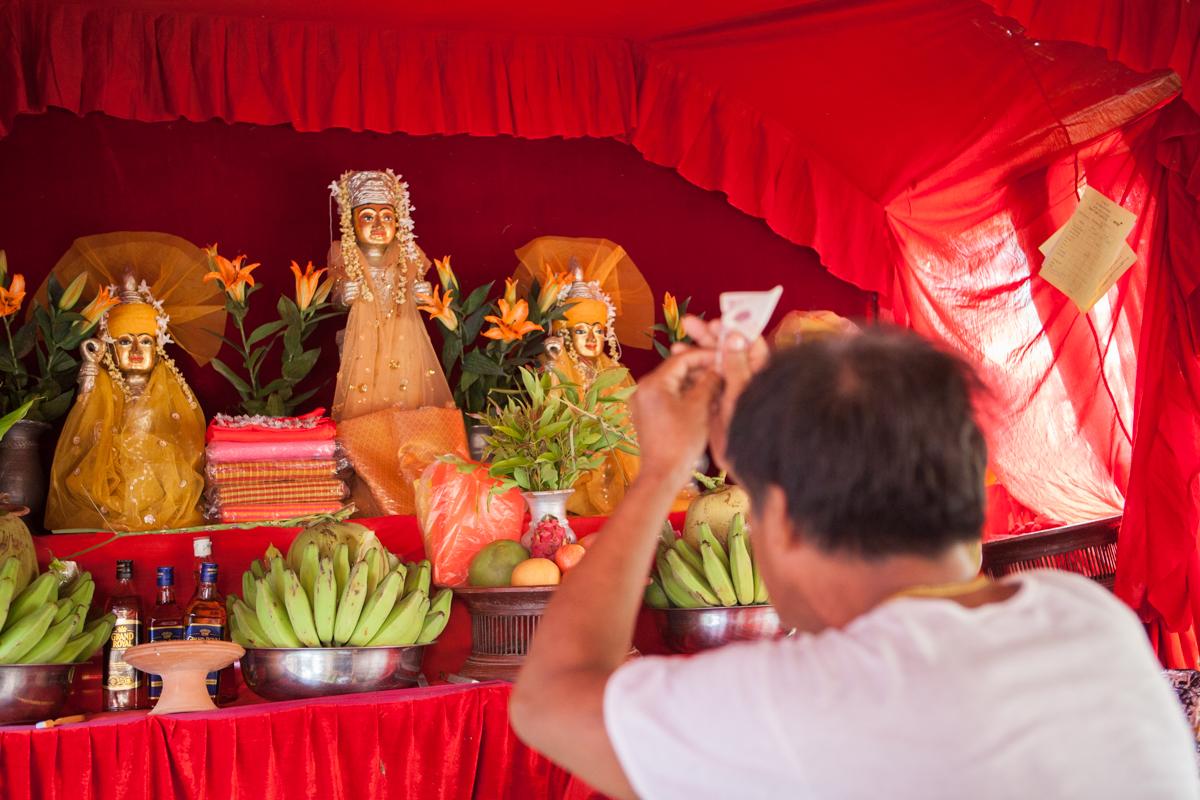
{"type": "Point", "coordinates": [1086, 256]}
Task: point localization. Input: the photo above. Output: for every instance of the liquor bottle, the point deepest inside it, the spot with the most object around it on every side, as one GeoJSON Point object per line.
{"type": "Point", "coordinates": [201, 552]}
{"type": "Point", "coordinates": [124, 686]}
{"type": "Point", "coordinates": [166, 621]}
{"type": "Point", "coordinates": [205, 616]}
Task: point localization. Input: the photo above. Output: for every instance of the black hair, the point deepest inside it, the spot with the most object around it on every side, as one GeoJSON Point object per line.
{"type": "Point", "coordinates": [872, 437]}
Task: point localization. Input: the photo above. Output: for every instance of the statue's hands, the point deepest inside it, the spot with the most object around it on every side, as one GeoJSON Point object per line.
{"type": "Point", "coordinates": [348, 291]}
{"type": "Point", "coordinates": [423, 292]}
{"type": "Point", "coordinates": [91, 351]}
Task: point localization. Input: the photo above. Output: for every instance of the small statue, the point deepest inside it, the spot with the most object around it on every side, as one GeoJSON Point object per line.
{"type": "Point", "coordinates": [132, 447]}
{"type": "Point", "coordinates": [605, 289]}
{"type": "Point", "coordinates": [394, 409]}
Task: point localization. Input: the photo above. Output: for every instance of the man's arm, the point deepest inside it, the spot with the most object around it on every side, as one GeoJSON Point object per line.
{"type": "Point", "coordinates": [557, 705]}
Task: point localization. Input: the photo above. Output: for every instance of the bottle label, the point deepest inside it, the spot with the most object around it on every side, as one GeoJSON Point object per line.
{"type": "Point", "coordinates": [162, 633]}
{"type": "Point", "coordinates": [207, 632]}
{"type": "Point", "coordinates": [120, 674]}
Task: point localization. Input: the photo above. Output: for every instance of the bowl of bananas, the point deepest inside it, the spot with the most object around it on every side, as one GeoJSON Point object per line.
{"type": "Point", "coordinates": [343, 621]}
{"type": "Point", "coordinates": [44, 633]}
{"type": "Point", "coordinates": [708, 596]}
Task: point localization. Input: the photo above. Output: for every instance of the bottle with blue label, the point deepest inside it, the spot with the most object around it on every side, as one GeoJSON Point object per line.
{"type": "Point", "coordinates": [166, 620]}
{"type": "Point", "coordinates": [205, 616]}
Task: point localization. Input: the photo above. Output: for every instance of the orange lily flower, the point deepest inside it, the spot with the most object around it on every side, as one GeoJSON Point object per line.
{"type": "Point", "coordinates": [323, 291]}
{"type": "Point", "coordinates": [671, 313]}
{"type": "Point", "coordinates": [12, 297]}
{"type": "Point", "coordinates": [552, 291]}
{"type": "Point", "coordinates": [234, 277]}
{"type": "Point", "coordinates": [445, 274]}
{"type": "Point", "coordinates": [306, 284]}
{"type": "Point", "coordinates": [513, 322]}
{"type": "Point", "coordinates": [439, 309]}
{"type": "Point", "coordinates": [101, 303]}
{"type": "Point", "coordinates": [510, 291]}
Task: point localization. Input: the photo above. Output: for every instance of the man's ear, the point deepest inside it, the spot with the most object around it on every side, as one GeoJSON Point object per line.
{"type": "Point", "coordinates": [773, 523]}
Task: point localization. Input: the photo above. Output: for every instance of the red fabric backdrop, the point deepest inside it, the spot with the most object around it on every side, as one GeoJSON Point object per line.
{"type": "Point", "coordinates": [924, 147]}
{"type": "Point", "coordinates": [261, 191]}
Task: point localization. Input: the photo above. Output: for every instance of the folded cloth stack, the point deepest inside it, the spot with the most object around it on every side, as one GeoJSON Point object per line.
{"type": "Point", "coordinates": [267, 468]}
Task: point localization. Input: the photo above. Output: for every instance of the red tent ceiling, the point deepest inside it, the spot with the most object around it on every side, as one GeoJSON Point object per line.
{"type": "Point", "coordinates": [923, 147]}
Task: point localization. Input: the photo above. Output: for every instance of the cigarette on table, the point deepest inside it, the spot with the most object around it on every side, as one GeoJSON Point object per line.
{"type": "Point", "coordinates": [50, 723]}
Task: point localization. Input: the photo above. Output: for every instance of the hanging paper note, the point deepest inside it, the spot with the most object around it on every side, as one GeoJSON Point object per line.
{"type": "Point", "coordinates": [1086, 256]}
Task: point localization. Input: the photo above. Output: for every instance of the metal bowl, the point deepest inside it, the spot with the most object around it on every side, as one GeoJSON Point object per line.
{"type": "Point", "coordinates": [33, 692]}
{"type": "Point", "coordinates": [690, 630]}
{"type": "Point", "coordinates": [297, 673]}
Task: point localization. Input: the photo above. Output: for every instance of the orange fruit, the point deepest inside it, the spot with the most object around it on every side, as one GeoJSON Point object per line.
{"type": "Point", "coordinates": [568, 556]}
{"type": "Point", "coordinates": [588, 540]}
{"type": "Point", "coordinates": [536, 572]}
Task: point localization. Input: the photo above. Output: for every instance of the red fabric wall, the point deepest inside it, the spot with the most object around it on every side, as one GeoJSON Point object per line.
{"type": "Point", "coordinates": [262, 191]}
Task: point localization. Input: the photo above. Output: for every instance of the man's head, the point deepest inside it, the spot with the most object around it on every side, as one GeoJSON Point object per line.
{"type": "Point", "coordinates": [861, 448]}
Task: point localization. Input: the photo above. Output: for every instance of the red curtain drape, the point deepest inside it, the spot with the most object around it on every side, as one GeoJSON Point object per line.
{"type": "Point", "coordinates": [1142, 34]}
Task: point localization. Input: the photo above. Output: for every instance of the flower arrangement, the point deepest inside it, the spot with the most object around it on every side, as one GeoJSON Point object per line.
{"type": "Point", "coordinates": [673, 314]}
{"type": "Point", "coordinates": [38, 361]}
{"type": "Point", "coordinates": [514, 338]}
{"type": "Point", "coordinates": [547, 434]}
{"type": "Point", "coordinates": [298, 319]}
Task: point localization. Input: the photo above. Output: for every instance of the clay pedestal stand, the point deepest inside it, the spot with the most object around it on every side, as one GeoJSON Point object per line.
{"type": "Point", "coordinates": [184, 666]}
{"type": "Point", "coordinates": [503, 621]}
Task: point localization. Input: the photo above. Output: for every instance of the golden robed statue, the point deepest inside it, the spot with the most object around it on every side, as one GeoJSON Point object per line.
{"type": "Point", "coordinates": [131, 452]}
{"type": "Point", "coordinates": [606, 303]}
{"type": "Point", "coordinates": [394, 409]}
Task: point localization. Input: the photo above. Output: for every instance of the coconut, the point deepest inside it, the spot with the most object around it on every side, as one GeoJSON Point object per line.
{"type": "Point", "coordinates": [16, 541]}
{"type": "Point", "coordinates": [328, 535]}
{"type": "Point", "coordinates": [716, 506]}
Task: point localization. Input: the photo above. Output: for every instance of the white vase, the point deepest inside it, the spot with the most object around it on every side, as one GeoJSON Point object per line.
{"type": "Point", "coordinates": [542, 504]}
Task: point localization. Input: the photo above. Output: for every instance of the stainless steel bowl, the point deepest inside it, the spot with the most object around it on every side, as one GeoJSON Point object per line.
{"type": "Point", "coordinates": [280, 673]}
{"type": "Point", "coordinates": [690, 630]}
{"type": "Point", "coordinates": [33, 692]}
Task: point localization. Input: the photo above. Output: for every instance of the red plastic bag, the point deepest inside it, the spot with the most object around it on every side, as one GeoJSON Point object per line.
{"type": "Point", "coordinates": [458, 515]}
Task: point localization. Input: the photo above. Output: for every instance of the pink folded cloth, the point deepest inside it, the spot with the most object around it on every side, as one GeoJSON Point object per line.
{"type": "Point", "coordinates": [222, 452]}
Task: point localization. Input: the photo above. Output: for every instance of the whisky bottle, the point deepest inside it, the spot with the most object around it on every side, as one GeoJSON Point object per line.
{"type": "Point", "coordinates": [201, 552]}
{"type": "Point", "coordinates": [124, 686]}
{"type": "Point", "coordinates": [204, 618]}
{"type": "Point", "coordinates": [166, 621]}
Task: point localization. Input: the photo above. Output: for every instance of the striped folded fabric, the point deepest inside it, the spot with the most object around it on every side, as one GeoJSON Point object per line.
{"type": "Point", "coordinates": [235, 472]}
{"type": "Point", "coordinates": [255, 512]}
{"type": "Point", "coordinates": [300, 491]}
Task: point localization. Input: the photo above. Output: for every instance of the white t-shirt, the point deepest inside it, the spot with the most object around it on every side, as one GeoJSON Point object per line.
{"type": "Point", "coordinates": [1053, 693]}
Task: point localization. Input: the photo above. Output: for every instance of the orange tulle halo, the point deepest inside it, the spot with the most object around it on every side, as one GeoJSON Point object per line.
{"type": "Point", "coordinates": [173, 269]}
{"type": "Point", "coordinates": [549, 258]}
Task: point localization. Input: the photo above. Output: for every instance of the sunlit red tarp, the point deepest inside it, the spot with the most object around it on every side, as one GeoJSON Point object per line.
{"type": "Point", "coordinates": [923, 147]}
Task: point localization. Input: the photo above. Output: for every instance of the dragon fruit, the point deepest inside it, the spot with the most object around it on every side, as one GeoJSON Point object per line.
{"type": "Point", "coordinates": [549, 535]}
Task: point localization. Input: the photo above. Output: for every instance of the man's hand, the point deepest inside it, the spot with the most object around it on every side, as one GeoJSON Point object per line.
{"type": "Point", "coordinates": [671, 410]}
{"type": "Point", "coordinates": [739, 361]}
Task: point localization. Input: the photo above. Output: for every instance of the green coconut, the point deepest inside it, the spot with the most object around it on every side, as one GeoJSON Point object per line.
{"type": "Point", "coordinates": [717, 506]}
{"type": "Point", "coordinates": [328, 535]}
{"type": "Point", "coordinates": [15, 541]}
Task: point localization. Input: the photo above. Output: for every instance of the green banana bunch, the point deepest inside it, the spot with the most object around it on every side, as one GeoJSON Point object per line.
{"type": "Point", "coordinates": [716, 575]}
{"type": "Point", "coordinates": [45, 623]}
{"type": "Point", "coordinates": [328, 601]}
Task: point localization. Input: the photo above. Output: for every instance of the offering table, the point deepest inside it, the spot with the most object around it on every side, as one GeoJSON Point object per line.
{"type": "Point", "coordinates": [442, 741]}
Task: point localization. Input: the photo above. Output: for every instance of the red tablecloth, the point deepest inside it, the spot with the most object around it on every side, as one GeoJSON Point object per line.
{"type": "Point", "coordinates": [440, 742]}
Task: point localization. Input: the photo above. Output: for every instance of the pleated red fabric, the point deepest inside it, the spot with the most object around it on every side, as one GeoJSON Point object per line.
{"type": "Point", "coordinates": [441, 742]}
